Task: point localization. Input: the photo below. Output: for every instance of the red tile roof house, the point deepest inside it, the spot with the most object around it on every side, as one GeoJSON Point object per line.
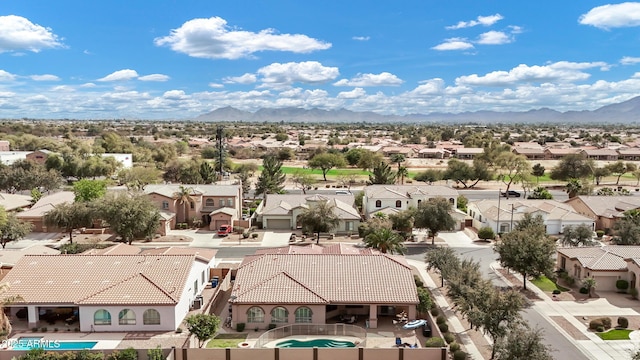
{"type": "Point", "coordinates": [316, 285]}
{"type": "Point", "coordinates": [391, 199]}
{"type": "Point", "coordinates": [142, 292]}
{"type": "Point", "coordinates": [606, 264]}
{"type": "Point", "coordinates": [213, 204]}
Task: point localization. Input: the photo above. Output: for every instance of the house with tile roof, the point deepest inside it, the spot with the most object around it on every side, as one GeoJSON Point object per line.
{"type": "Point", "coordinates": [504, 214]}
{"type": "Point", "coordinates": [281, 211]}
{"type": "Point", "coordinates": [313, 286]}
{"type": "Point", "coordinates": [392, 199]}
{"type": "Point", "coordinates": [35, 215]}
{"type": "Point", "coordinates": [604, 210]}
{"type": "Point", "coordinates": [606, 264]}
{"type": "Point", "coordinates": [214, 205]}
{"type": "Point", "coordinates": [108, 292]}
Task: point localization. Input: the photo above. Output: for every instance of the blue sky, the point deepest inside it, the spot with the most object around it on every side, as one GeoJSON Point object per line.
{"type": "Point", "coordinates": [177, 59]}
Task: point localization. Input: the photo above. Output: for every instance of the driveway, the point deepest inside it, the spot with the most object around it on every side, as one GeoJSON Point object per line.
{"type": "Point", "coordinates": [460, 239]}
{"type": "Point", "coordinates": [275, 239]}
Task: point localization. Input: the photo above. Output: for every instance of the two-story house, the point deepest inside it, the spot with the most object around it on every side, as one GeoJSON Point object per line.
{"type": "Point", "coordinates": [391, 199]}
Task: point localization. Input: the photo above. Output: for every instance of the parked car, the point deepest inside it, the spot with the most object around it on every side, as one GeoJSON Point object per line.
{"type": "Point", "coordinates": [510, 193]}
{"type": "Point", "coordinates": [225, 230]}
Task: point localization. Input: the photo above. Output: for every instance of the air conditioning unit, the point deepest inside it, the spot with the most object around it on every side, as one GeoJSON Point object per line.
{"type": "Point", "coordinates": [197, 304]}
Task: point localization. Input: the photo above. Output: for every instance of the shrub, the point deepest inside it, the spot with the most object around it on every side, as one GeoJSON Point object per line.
{"type": "Point", "coordinates": [435, 311]}
{"type": "Point", "coordinates": [35, 329]}
{"type": "Point", "coordinates": [634, 293]}
{"type": "Point", "coordinates": [179, 330]}
{"type": "Point", "coordinates": [443, 327]}
{"type": "Point", "coordinates": [595, 323]}
{"type": "Point", "coordinates": [245, 235]}
{"type": "Point", "coordinates": [434, 342]}
{"type": "Point", "coordinates": [600, 328]}
{"type": "Point", "coordinates": [623, 322]}
{"type": "Point", "coordinates": [459, 355]}
{"type": "Point", "coordinates": [272, 326]}
{"type": "Point", "coordinates": [583, 290]}
{"type": "Point", "coordinates": [486, 233]}
{"type": "Point", "coordinates": [44, 329]}
{"type": "Point", "coordinates": [599, 233]}
{"type": "Point", "coordinates": [454, 346]}
{"type": "Point", "coordinates": [126, 354]}
{"type": "Point", "coordinates": [254, 235]}
{"type": "Point", "coordinates": [606, 322]}
{"type": "Point", "coordinates": [441, 319]}
{"type": "Point", "coordinates": [449, 338]}
{"type": "Point", "coordinates": [622, 285]}
{"type": "Point", "coordinates": [240, 327]}
{"type": "Point", "coordinates": [556, 292]}
{"type": "Point", "coordinates": [418, 281]}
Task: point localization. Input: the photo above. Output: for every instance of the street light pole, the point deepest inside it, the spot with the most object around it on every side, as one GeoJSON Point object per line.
{"type": "Point", "coordinates": [511, 226]}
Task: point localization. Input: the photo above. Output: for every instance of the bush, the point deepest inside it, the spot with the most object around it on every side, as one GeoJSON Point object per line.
{"type": "Point", "coordinates": [254, 235]}
{"type": "Point", "coordinates": [449, 338]}
{"type": "Point", "coordinates": [634, 293]}
{"type": "Point", "coordinates": [441, 319]}
{"type": "Point", "coordinates": [599, 233]}
{"type": "Point", "coordinates": [434, 342]}
{"type": "Point", "coordinates": [443, 327]}
{"type": "Point", "coordinates": [606, 322]}
{"type": "Point", "coordinates": [245, 235]}
{"type": "Point", "coordinates": [623, 322]}
{"type": "Point", "coordinates": [556, 292]}
{"type": "Point", "coordinates": [435, 311]}
{"type": "Point", "coordinates": [595, 323]}
{"type": "Point", "coordinates": [35, 329]}
{"type": "Point", "coordinates": [272, 326]}
{"type": "Point", "coordinates": [240, 327]}
{"type": "Point", "coordinates": [600, 328]}
{"type": "Point", "coordinates": [583, 290]}
{"type": "Point", "coordinates": [459, 355]}
{"type": "Point", "coordinates": [44, 329]}
{"type": "Point", "coordinates": [418, 281]}
{"type": "Point", "coordinates": [179, 330]}
{"type": "Point", "coordinates": [622, 285]}
{"type": "Point", "coordinates": [126, 354]}
{"type": "Point", "coordinates": [454, 346]}
{"type": "Point", "coordinates": [486, 233]}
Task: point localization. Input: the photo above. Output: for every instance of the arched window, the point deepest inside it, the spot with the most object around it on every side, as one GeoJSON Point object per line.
{"type": "Point", "coordinates": [452, 201]}
{"type": "Point", "coordinates": [102, 317]}
{"type": "Point", "coordinates": [255, 315]}
{"type": "Point", "coordinates": [378, 203]}
{"type": "Point", "coordinates": [279, 315]}
{"type": "Point", "coordinates": [303, 315]}
{"type": "Point", "coordinates": [398, 203]}
{"type": "Point", "coordinates": [209, 202]}
{"type": "Point", "coordinates": [151, 317]}
{"type": "Point", "coordinates": [127, 317]}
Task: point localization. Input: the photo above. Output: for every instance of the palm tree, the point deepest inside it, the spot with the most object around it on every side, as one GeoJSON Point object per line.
{"type": "Point", "coordinates": [386, 241]}
{"type": "Point", "coordinates": [589, 284]}
{"type": "Point", "coordinates": [397, 159]}
{"type": "Point", "coordinates": [574, 187]}
{"type": "Point", "coordinates": [402, 172]}
{"type": "Point", "coordinates": [183, 195]}
{"type": "Point", "coordinates": [319, 218]}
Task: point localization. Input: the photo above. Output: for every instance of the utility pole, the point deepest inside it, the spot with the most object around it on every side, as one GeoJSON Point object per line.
{"type": "Point", "coordinates": [511, 226]}
{"type": "Point", "coordinates": [498, 218]}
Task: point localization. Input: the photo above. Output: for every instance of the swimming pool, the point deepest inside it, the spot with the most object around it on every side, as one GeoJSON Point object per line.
{"type": "Point", "coordinates": [29, 343]}
{"type": "Point", "coordinates": [320, 343]}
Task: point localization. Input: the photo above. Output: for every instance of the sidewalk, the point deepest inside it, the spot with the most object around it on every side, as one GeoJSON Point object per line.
{"type": "Point", "coordinates": [452, 319]}
{"type": "Point", "coordinates": [593, 348]}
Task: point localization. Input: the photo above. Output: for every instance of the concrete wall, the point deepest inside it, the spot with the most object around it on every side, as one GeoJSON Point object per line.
{"type": "Point", "coordinates": [187, 297]}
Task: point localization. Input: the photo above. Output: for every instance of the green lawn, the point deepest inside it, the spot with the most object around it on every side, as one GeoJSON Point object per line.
{"type": "Point", "coordinates": [545, 284]}
{"type": "Point", "coordinates": [227, 340]}
{"type": "Point", "coordinates": [615, 334]}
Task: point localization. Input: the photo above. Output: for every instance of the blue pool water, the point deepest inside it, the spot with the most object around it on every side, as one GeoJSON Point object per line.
{"type": "Point", "coordinates": [320, 343]}
{"type": "Point", "coordinates": [29, 343]}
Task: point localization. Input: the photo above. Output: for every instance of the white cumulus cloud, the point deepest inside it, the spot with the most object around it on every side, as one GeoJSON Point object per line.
{"type": "Point", "coordinates": [308, 72]}
{"type": "Point", "coordinates": [382, 79]}
{"type": "Point", "coordinates": [120, 75]}
{"type": "Point", "coordinates": [44, 77]}
{"type": "Point", "coordinates": [18, 33]}
{"type": "Point", "coordinates": [174, 95]}
{"type": "Point", "coordinates": [213, 39]}
{"type": "Point", "coordinates": [243, 79]}
{"type": "Point", "coordinates": [429, 87]}
{"type": "Point", "coordinates": [481, 20]}
{"type": "Point", "coordinates": [494, 38]}
{"type": "Point", "coordinates": [561, 72]}
{"type": "Point", "coordinates": [216, 85]}
{"type": "Point", "coordinates": [353, 94]}
{"type": "Point", "coordinates": [154, 77]}
{"type": "Point", "coordinates": [6, 76]}
{"type": "Point", "coordinates": [361, 38]}
{"type": "Point", "coordinates": [608, 16]}
{"type": "Point", "coordinates": [454, 44]}
{"type": "Point", "coordinates": [628, 60]}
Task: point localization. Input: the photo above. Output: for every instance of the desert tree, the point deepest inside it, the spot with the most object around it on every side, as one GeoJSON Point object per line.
{"type": "Point", "coordinates": [70, 216]}
{"type": "Point", "coordinates": [130, 217]}
{"type": "Point", "coordinates": [435, 216]}
{"type": "Point", "coordinates": [203, 326]}
{"type": "Point", "coordinates": [319, 218]}
{"type": "Point", "coordinates": [327, 161]}
{"type": "Point", "coordinates": [443, 259]}
{"type": "Point", "coordinates": [521, 342]}
{"type": "Point", "coordinates": [579, 235]}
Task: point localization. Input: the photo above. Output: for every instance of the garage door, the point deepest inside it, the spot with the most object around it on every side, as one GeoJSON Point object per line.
{"type": "Point", "coordinates": [217, 223]}
{"type": "Point", "coordinates": [279, 224]}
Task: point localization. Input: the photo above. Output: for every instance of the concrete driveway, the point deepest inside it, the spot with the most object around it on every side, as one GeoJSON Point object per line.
{"type": "Point", "coordinates": [275, 239]}
{"type": "Point", "coordinates": [460, 239]}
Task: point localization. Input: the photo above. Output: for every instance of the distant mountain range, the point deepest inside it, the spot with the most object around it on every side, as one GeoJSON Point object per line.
{"type": "Point", "coordinates": [626, 112]}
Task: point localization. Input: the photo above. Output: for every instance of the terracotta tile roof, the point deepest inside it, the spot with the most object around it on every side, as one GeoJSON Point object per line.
{"type": "Point", "coordinates": [168, 190]}
{"type": "Point", "coordinates": [203, 253]}
{"type": "Point", "coordinates": [98, 279]}
{"type": "Point", "coordinates": [406, 191]}
{"type": "Point", "coordinates": [9, 257]}
{"type": "Point", "coordinates": [344, 279]}
{"type": "Point", "coordinates": [612, 258]}
{"type": "Point", "coordinates": [339, 248]}
{"type": "Point", "coordinates": [552, 209]}
{"type": "Point", "coordinates": [283, 204]}
{"type": "Point", "coordinates": [119, 249]}
{"type": "Point", "coordinates": [608, 206]}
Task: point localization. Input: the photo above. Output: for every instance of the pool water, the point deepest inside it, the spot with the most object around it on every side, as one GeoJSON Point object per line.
{"type": "Point", "coordinates": [320, 343]}
{"type": "Point", "coordinates": [29, 343]}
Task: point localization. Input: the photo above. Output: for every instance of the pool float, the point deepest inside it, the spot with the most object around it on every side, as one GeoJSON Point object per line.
{"type": "Point", "coordinates": [414, 324]}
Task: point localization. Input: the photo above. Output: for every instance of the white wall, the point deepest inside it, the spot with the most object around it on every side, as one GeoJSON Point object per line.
{"type": "Point", "coordinates": [167, 318]}
{"type": "Point", "coordinates": [187, 297]}
{"type": "Point", "coordinates": [125, 159]}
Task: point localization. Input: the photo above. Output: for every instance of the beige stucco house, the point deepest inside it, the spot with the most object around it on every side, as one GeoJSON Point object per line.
{"type": "Point", "coordinates": [390, 199]}
{"type": "Point", "coordinates": [605, 264]}
{"type": "Point", "coordinates": [604, 210]}
{"type": "Point", "coordinates": [317, 285]}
